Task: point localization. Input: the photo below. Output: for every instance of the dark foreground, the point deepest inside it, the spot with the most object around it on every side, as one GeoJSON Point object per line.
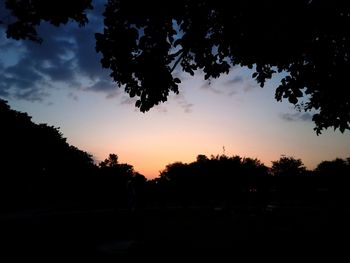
{"type": "Point", "coordinates": [289, 229]}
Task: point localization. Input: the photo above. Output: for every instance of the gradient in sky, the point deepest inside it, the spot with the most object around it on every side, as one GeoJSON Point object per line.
{"type": "Point", "coordinates": [61, 82]}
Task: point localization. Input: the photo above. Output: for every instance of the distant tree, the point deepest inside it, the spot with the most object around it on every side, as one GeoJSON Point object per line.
{"type": "Point", "coordinates": [111, 161]}
{"type": "Point", "coordinates": [337, 167]}
{"type": "Point", "coordinates": [254, 167]}
{"type": "Point", "coordinates": [145, 42]}
{"type": "Point", "coordinates": [216, 179]}
{"type": "Point", "coordinates": [174, 171]}
{"type": "Point", "coordinates": [288, 166]}
{"type": "Point", "coordinates": [202, 158]}
{"type": "Point", "coordinates": [116, 181]}
{"type": "Point", "coordinates": [112, 166]}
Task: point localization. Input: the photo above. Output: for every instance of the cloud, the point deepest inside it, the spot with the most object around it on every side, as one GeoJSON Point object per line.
{"type": "Point", "coordinates": [126, 100]}
{"type": "Point", "coordinates": [73, 96]}
{"type": "Point", "coordinates": [249, 85]}
{"type": "Point", "coordinates": [298, 116]}
{"type": "Point", "coordinates": [236, 79]}
{"type": "Point", "coordinates": [102, 85]}
{"type": "Point", "coordinates": [240, 82]}
{"type": "Point", "coordinates": [32, 94]}
{"type": "Point", "coordinates": [66, 58]}
{"type": "Point", "coordinates": [88, 60]}
{"type": "Point", "coordinates": [23, 81]}
{"type": "Point", "coordinates": [183, 103]}
{"type": "Point", "coordinates": [232, 93]}
{"type": "Point", "coordinates": [207, 85]}
{"type": "Point", "coordinates": [35, 68]}
{"type": "Point", "coordinates": [161, 108]}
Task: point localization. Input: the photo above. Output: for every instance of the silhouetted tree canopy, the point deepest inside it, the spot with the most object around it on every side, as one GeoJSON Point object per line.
{"type": "Point", "coordinates": [35, 149]}
{"type": "Point", "coordinates": [214, 178]}
{"type": "Point", "coordinates": [111, 161]}
{"type": "Point", "coordinates": [145, 41]}
{"type": "Point", "coordinates": [29, 14]}
{"type": "Point", "coordinates": [288, 166]}
{"type": "Point", "coordinates": [336, 167]}
{"type": "Point", "coordinates": [38, 168]}
{"type": "Point", "coordinates": [111, 164]}
{"type": "Point", "coordinates": [116, 181]}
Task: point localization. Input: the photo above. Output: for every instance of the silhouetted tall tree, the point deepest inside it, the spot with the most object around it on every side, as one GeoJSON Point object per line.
{"type": "Point", "coordinates": [145, 42]}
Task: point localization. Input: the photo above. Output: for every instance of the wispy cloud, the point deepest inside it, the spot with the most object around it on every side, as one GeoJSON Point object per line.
{"type": "Point", "coordinates": [126, 100]}
{"type": "Point", "coordinates": [102, 85]}
{"type": "Point", "coordinates": [298, 116]}
{"type": "Point", "coordinates": [249, 85]}
{"type": "Point", "coordinates": [208, 85]}
{"type": "Point", "coordinates": [236, 79]}
{"type": "Point", "coordinates": [183, 103]}
{"type": "Point", "coordinates": [73, 96]}
{"type": "Point", "coordinates": [161, 108]}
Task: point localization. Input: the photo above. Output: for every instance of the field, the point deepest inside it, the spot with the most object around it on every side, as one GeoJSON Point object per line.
{"type": "Point", "coordinates": [288, 227]}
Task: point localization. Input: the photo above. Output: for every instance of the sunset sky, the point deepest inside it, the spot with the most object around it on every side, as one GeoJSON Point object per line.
{"type": "Point", "coordinates": [61, 82]}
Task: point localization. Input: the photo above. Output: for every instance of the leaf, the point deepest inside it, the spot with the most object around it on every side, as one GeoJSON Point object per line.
{"type": "Point", "coordinates": [292, 99]}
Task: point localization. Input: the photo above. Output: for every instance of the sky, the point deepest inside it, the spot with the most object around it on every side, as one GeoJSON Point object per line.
{"type": "Point", "coordinates": [61, 82]}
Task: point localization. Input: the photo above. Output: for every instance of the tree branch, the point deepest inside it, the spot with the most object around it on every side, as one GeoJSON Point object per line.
{"type": "Point", "coordinates": [182, 52]}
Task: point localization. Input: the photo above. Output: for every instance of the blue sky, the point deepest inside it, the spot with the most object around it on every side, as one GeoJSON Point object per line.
{"type": "Point", "coordinates": [61, 82]}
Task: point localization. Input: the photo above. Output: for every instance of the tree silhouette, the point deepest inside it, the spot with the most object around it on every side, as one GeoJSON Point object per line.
{"type": "Point", "coordinates": [31, 148]}
{"type": "Point", "coordinates": [37, 165]}
{"type": "Point", "coordinates": [145, 42]}
{"type": "Point", "coordinates": [115, 180]}
{"type": "Point", "coordinates": [288, 166]}
{"type": "Point", "coordinates": [218, 179]}
{"type": "Point", "coordinates": [142, 46]}
{"type": "Point", "coordinates": [29, 14]}
{"type": "Point", "coordinates": [111, 161]}
{"type": "Point", "coordinates": [336, 167]}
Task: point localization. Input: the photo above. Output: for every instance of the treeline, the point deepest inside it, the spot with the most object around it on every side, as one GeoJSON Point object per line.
{"type": "Point", "coordinates": [39, 169]}
{"type": "Point", "coordinates": [223, 180]}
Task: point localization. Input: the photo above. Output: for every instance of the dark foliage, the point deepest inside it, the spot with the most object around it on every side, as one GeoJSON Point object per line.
{"type": "Point", "coordinates": [38, 166]}
{"type": "Point", "coordinates": [145, 41]}
{"type": "Point", "coordinates": [337, 167]}
{"type": "Point", "coordinates": [288, 166]}
{"type": "Point", "coordinates": [121, 185]}
{"type": "Point", "coordinates": [56, 203]}
{"type": "Point", "coordinates": [218, 180]}
{"type": "Point", "coordinates": [309, 40]}
{"type": "Point", "coordinates": [39, 169]}
{"type": "Point", "coordinates": [30, 13]}
{"type": "Point", "coordinates": [36, 149]}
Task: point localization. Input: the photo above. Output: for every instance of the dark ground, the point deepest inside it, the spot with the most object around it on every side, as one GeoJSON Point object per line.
{"type": "Point", "coordinates": [288, 229]}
